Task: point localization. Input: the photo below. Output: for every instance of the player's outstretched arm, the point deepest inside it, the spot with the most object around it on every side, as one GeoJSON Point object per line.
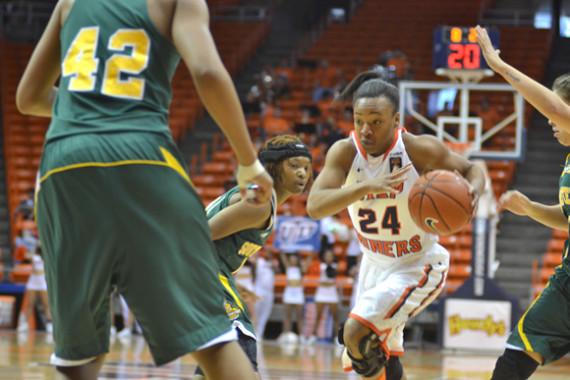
{"type": "Point", "coordinates": [428, 153]}
{"type": "Point", "coordinates": [193, 40]}
{"type": "Point", "coordinates": [238, 217]}
{"type": "Point", "coordinates": [328, 197]}
{"type": "Point", "coordinates": [519, 204]}
{"type": "Point", "coordinates": [36, 92]}
{"type": "Point", "coordinates": [541, 98]}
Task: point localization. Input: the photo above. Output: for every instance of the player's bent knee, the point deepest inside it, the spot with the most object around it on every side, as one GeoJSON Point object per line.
{"type": "Point", "coordinates": [394, 369]}
{"type": "Point", "coordinates": [371, 360]}
{"type": "Point", "coordinates": [514, 365]}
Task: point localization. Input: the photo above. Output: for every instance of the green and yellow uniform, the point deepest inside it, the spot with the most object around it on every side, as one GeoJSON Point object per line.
{"type": "Point", "coordinates": [545, 326]}
{"type": "Point", "coordinates": [232, 253]}
{"type": "Point", "coordinates": [115, 206]}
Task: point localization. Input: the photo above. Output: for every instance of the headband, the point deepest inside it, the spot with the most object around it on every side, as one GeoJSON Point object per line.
{"type": "Point", "coordinates": [275, 153]}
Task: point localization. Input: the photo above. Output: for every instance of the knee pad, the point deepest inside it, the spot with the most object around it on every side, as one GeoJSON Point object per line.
{"type": "Point", "coordinates": [373, 358]}
{"type": "Point", "coordinates": [514, 365]}
{"type": "Point", "coordinates": [394, 369]}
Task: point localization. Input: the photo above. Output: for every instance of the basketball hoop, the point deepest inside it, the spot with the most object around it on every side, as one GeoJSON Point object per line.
{"type": "Point", "coordinates": [464, 76]}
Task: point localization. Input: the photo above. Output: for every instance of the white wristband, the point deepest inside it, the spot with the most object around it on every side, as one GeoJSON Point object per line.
{"type": "Point", "coordinates": [247, 173]}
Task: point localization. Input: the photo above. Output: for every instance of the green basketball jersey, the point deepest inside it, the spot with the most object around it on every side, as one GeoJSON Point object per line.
{"type": "Point", "coordinates": [234, 250]}
{"type": "Point", "coordinates": [116, 70]}
{"type": "Point", "coordinates": [564, 198]}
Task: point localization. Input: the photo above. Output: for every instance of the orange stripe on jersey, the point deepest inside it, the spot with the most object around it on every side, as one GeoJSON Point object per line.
{"type": "Point", "coordinates": [409, 290]}
{"type": "Point", "coordinates": [394, 141]}
{"type": "Point", "coordinates": [396, 353]}
{"type": "Point", "coordinates": [436, 291]}
{"type": "Point", "coordinates": [358, 145]}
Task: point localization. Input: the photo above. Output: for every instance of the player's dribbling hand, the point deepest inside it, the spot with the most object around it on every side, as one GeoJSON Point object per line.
{"type": "Point", "coordinates": [255, 183]}
{"type": "Point", "coordinates": [472, 191]}
{"type": "Point", "coordinates": [389, 183]}
{"type": "Point", "coordinates": [514, 201]}
{"type": "Point", "coordinates": [491, 54]}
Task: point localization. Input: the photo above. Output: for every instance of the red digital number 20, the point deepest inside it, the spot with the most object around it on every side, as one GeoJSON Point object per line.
{"type": "Point", "coordinates": [464, 56]}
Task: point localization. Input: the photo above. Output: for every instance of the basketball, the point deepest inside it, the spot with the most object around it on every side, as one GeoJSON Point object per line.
{"type": "Point", "coordinates": [440, 202]}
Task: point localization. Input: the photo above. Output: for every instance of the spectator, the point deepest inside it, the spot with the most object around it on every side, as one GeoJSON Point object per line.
{"type": "Point", "coordinates": [293, 298]}
{"type": "Point", "coordinates": [36, 289]}
{"type": "Point", "coordinates": [28, 242]}
{"type": "Point", "coordinates": [25, 209]}
{"type": "Point", "coordinates": [325, 80]}
{"type": "Point", "coordinates": [265, 267]}
{"type": "Point", "coordinates": [327, 292]}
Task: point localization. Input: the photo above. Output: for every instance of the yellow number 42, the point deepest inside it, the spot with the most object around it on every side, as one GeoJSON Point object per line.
{"type": "Point", "coordinates": [81, 63]}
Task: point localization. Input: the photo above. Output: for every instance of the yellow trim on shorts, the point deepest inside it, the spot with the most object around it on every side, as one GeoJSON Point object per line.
{"type": "Point", "coordinates": [169, 161]}
{"type": "Point", "coordinates": [226, 283]}
{"type": "Point", "coordinates": [527, 345]}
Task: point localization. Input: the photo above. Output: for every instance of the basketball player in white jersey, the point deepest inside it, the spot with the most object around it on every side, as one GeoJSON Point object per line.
{"type": "Point", "coordinates": [403, 269]}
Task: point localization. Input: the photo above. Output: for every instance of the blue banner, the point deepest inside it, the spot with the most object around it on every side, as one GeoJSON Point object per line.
{"type": "Point", "coordinates": [297, 233]}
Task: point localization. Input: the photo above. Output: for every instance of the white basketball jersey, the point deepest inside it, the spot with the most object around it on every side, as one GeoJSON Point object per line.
{"type": "Point", "coordinates": [383, 224]}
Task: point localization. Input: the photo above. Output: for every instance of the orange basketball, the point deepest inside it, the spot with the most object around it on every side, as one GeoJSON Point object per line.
{"type": "Point", "coordinates": [440, 202]}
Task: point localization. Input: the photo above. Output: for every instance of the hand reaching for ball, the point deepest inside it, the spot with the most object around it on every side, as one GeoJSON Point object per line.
{"type": "Point", "coordinates": [515, 201]}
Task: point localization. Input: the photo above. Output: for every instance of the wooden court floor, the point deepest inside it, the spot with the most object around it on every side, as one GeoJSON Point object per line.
{"type": "Point", "coordinates": [25, 356]}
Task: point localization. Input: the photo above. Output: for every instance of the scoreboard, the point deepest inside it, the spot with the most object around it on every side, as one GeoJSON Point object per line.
{"type": "Point", "coordinates": [456, 48]}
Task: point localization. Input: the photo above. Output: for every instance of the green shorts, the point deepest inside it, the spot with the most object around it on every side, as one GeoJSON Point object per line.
{"type": "Point", "coordinates": [118, 209]}
{"type": "Point", "coordinates": [545, 326]}
{"type": "Point", "coordinates": [236, 308]}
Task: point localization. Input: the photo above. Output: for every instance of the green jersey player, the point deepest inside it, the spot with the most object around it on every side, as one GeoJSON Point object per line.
{"type": "Point", "coordinates": [113, 194]}
{"type": "Point", "coordinates": [240, 230]}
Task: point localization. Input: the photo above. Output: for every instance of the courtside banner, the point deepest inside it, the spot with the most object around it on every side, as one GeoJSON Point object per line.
{"type": "Point", "coordinates": [476, 324]}
{"type": "Point", "coordinates": [297, 233]}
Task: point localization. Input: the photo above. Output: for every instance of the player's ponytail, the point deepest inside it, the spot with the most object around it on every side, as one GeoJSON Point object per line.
{"type": "Point", "coordinates": [370, 84]}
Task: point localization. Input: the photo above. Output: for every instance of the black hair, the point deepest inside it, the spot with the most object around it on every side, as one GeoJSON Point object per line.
{"type": "Point", "coordinates": [279, 148]}
{"type": "Point", "coordinates": [371, 84]}
{"type": "Point", "coordinates": [273, 166]}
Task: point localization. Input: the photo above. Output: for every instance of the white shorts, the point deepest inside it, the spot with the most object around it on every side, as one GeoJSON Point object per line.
{"type": "Point", "coordinates": [326, 294]}
{"type": "Point", "coordinates": [390, 295]}
{"type": "Point", "coordinates": [294, 295]}
{"type": "Point", "coordinates": [37, 282]}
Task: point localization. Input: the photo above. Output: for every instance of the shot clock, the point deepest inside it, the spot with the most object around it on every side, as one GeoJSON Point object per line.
{"type": "Point", "coordinates": [456, 48]}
